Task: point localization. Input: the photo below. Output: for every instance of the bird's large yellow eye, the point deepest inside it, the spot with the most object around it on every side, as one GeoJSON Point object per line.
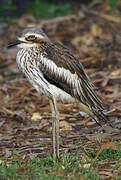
{"type": "Point", "coordinates": [30, 38]}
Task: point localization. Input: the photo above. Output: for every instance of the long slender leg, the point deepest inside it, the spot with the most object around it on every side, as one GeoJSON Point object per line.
{"type": "Point", "coordinates": [55, 127]}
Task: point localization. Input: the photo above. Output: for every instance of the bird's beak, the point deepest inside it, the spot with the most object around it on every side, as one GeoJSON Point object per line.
{"type": "Point", "coordinates": [18, 41]}
{"type": "Point", "coordinates": [13, 44]}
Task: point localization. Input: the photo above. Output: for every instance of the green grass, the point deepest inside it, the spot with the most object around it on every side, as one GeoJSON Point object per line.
{"type": "Point", "coordinates": [38, 8]}
{"type": "Point", "coordinates": [7, 5]}
{"type": "Point", "coordinates": [69, 166]}
{"type": "Point", "coordinates": [113, 3]}
{"type": "Point", "coordinates": [110, 154]}
{"type": "Point", "coordinates": [44, 9]}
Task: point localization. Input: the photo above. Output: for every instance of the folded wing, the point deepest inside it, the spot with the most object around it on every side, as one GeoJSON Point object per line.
{"type": "Point", "coordinates": [63, 70]}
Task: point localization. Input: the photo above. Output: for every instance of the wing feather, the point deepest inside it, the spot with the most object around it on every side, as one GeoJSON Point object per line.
{"type": "Point", "coordinates": [82, 87]}
{"type": "Point", "coordinates": [62, 69]}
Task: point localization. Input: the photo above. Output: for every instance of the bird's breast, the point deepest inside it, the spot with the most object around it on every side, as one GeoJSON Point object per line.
{"type": "Point", "coordinates": [29, 65]}
{"type": "Point", "coordinates": [26, 59]}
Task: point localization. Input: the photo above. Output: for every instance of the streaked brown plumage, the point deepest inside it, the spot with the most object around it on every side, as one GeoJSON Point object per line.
{"type": "Point", "coordinates": [54, 72]}
{"type": "Point", "coordinates": [63, 58]}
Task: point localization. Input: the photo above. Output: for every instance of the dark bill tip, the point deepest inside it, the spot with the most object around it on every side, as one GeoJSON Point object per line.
{"type": "Point", "coordinates": [13, 44]}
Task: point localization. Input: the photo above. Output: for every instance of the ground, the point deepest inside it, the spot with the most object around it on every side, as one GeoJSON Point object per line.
{"type": "Point", "coordinates": [87, 151]}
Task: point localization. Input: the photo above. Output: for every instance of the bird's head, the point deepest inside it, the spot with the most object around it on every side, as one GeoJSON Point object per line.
{"type": "Point", "coordinates": [31, 37]}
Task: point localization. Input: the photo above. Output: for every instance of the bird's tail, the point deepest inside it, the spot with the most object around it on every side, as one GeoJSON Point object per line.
{"type": "Point", "coordinates": [93, 104]}
{"type": "Point", "coordinates": [101, 118]}
{"type": "Point", "coordinates": [97, 114]}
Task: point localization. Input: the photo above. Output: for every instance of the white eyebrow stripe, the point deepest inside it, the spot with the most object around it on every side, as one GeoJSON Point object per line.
{"type": "Point", "coordinates": [37, 35]}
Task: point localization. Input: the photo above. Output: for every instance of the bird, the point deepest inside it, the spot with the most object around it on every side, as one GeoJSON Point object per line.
{"type": "Point", "coordinates": [54, 71]}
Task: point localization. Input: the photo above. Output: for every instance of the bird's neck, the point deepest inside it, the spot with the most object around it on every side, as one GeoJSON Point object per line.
{"type": "Point", "coordinates": [33, 47]}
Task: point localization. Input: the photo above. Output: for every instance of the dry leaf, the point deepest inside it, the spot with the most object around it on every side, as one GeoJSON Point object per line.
{"type": "Point", "coordinates": [65, 126]}
{"type": "Point", "coordinates": [96, 30]}
{"type": "Point", "coordinates": [105, 174]}
{"type": "Point", "coordinates": [36, 117]}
